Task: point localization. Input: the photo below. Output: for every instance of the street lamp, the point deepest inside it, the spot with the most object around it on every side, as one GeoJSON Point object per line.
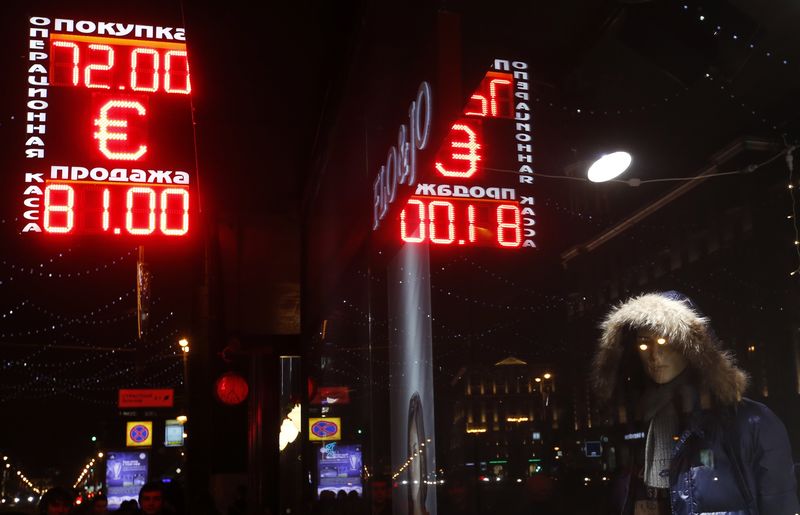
{"type": "Point", "coordinates": [184, 343]}
{"type": "Point", "coordinates": [609, 166]}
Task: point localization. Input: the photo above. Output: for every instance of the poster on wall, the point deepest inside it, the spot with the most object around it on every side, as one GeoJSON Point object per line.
{"type": "Point", "coordinates": [126, 472]}
{"type": "Point", "coordinates": [339, 468]}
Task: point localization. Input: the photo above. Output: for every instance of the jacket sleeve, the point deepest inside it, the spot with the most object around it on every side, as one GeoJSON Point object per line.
{"type": "Point", "coordinates": [776, 486]}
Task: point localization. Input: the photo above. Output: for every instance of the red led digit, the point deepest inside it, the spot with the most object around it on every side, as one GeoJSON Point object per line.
{"type": "Point", "coordinates": [104, 135]}
{"type": "Point", "coordinates": [87, 73]}
{"type": "Point", "coordinates": [151, 203]}
{"type": "Point", "coordinates": [483, 110]}
{"type": "Point", "coordinates": [75, 56]}
{"type": "Point", "coordinates": [184, 70]}
{"type": "Point", "coordinates": [503, 226]}
{"type": "Point", "coordinates": [471, 221]}
{"type": "Point", "coordinates": [135, 72]}
{"type": "Point", "coordinates": [404, 233]}
{"type": "Point", "coordinates": [472, 156]}
{"type": "Point", "coordinates": [106, 203]}
{"type": "Point", "coordinates": [165, 194]}
{"type": "Point", "coordinates": [451, 227]}
{"type": "Point", "coordinates": [62, 207]}
{"type": "Point", "coordinates": [493, 93]}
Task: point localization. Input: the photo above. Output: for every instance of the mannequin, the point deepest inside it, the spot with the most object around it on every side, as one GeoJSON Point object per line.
{"type": "Point", "coordinates": [708, 449]}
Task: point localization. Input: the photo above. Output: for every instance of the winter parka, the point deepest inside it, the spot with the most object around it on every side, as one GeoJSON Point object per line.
{"type": "Point", "coordinates": [732, 458]}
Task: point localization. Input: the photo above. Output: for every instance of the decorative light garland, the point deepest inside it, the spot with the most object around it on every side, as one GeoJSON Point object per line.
{"type": "Point", "coordinates": [27, 361]}
{"type": "Point", "coordinates": [40, 271]}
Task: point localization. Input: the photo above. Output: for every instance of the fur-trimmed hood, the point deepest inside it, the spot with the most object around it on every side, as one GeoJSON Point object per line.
{"type": "Point", "coordinates": [674, 316]}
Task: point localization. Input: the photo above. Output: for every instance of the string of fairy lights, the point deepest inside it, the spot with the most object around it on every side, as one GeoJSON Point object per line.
{"type": "Point", "coordinates": [50, 378]}
{"type": "Point", "coordinates": [702, 18]}
{"type": "Point", "coordinates": [717, 29]}
{"type": "Point", "coordinates": [126, 372]}
{"type": "Point", "coordinates": [75, 319]}
{"type": "Point", "coordinates": [42, 269]}
{"type": "Point", "coordinates": [29, 363]}
{"type": "Point", "coordinates": [793, 215]}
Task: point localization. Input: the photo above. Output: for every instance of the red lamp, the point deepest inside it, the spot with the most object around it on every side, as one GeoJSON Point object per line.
{"type": "Point", "coordinates": [231, 388]}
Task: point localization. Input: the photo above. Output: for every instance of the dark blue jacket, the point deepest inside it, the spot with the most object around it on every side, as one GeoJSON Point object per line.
{"type": "Point", "coordinates": [705, 477]}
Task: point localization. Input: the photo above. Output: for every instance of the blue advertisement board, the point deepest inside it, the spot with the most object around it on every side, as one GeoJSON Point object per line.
{"type": "Point", "coordinates": [339, 468]}
{"type": "Point", "coordinates": [126, 472]}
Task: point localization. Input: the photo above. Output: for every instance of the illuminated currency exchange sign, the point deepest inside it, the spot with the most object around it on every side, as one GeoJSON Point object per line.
{"type": "Point", "coordinates": [109, 139]}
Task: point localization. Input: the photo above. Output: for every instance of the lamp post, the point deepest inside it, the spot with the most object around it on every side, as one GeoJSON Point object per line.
{"type": "Point", "coordinates": [183, 418]}
{"type": "Point", "coordinates": [184, 345]}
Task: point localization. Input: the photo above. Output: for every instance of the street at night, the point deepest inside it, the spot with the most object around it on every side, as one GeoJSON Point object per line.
{"type": "Point", "coordinates": [365, 258]}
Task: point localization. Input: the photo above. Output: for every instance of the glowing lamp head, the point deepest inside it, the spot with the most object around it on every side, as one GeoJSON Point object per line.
{"type": "Point", "coordinates": [609, 166]}
{"type": "Point", "coordinates": [182, 419]}
{"type": "Point", "coordinates": [183, 342]}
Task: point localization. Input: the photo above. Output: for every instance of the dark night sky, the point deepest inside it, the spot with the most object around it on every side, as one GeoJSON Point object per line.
{"type": "Point", "coordinates": [262, 81]}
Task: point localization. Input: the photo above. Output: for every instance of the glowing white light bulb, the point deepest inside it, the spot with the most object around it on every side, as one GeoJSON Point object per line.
{"type": "Point", "coordinates": [609, 166]}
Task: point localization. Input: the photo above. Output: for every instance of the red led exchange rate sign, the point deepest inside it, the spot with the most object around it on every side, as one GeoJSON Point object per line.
{"type": "Point", "coordinates": [109, 148]}
{"type": "Point", "coordinates": [477, 195]}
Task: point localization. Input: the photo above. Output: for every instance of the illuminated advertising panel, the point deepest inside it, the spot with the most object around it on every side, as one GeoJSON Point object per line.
{"type": "Point", "coordinates": [173, 433]}
{"type": "Point", "coordinates": [339, 468]}
{"type": "Point", "coordinates": [126, 473]}
{"type": "Point", "coordinates": [109, 144]}
{"type": "Point", "coordinates": [477, 192]}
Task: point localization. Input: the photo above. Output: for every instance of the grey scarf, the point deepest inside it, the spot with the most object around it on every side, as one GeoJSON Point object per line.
{"type": "Point", "coordinates": [661, 406]}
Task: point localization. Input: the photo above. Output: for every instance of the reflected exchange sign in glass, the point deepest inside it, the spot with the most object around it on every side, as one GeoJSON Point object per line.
{"type": "Point", "coordinates": [126, 472]}
{"type": "Point", "coordinates": [479, 194]}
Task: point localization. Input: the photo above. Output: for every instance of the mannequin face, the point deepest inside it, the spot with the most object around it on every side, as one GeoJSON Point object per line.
{"type": "Point", "coordinates": [661, 361]}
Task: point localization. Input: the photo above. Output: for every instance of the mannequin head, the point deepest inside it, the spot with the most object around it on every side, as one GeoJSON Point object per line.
{"type": "Point", "coordinates": [661, 361]}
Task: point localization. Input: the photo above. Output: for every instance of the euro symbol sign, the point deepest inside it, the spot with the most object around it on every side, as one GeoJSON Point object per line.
{"type": "Point", "coordinates": [104, 123]}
